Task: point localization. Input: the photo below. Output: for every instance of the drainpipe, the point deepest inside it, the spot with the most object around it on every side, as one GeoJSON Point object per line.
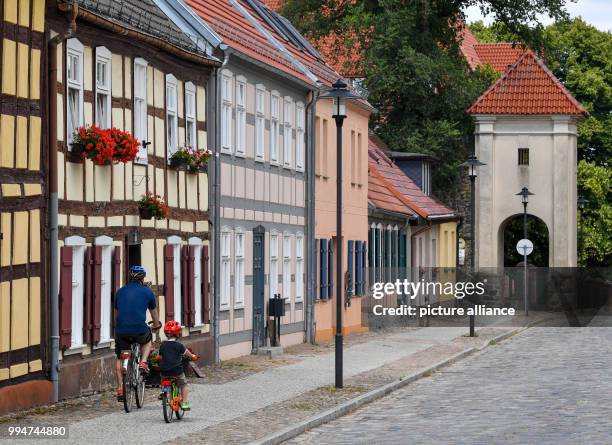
{"type": "Point", "coordinates": [311, 111]}
{"type": "Point", "coordinates": [217, 203]}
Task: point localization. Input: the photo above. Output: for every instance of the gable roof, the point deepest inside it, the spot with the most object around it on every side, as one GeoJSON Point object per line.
{"type": "Point", "coordinates": [499, 56]}
{"type": "Point", "coordinates": [528, 87]}
{"type": "Point", "coordinates": [388, 186]}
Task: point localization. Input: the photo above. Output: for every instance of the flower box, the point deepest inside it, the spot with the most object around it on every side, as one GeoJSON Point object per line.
{"type": "Point", "coordinates": [178, 163]}
{"type": "Point", "coordinates": [153, 206]}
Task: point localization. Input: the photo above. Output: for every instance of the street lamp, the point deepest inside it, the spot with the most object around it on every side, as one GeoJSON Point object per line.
{"type": "Point", "coordinates": [339, 94]}
{"type": "Point", "coordinates": [525, 194]}
{"type": "Point", "coordinates": [472, 164]}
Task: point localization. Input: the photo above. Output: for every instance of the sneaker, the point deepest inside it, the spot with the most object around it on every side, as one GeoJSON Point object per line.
{"type": "Point", "coordinates": [144, 367]}
{"type": "Point", "coordinates": [185, 406]}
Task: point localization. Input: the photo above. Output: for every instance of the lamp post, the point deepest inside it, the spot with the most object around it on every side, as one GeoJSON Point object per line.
{"type": "Point", "coordinates": [472, 164]}
{"type": "Point", "coordinates": [525, 194]}
{"type": "Point", "coordinates": [582, 203]}
{"type": "Point", "coordinates": [339, 94]}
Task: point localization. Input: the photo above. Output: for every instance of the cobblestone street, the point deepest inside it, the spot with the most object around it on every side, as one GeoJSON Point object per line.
{"type": "Point", "coordinates": [544, 386]}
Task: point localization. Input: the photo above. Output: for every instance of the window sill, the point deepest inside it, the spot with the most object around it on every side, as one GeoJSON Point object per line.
{"type": "Point", "coordinates": [200, 328]}
{"type": "Point", "coordinates": [224, 308]}
{"type": "Point", "coordinates": [74, 350]}
{"type": "Point", "coordinates": [240, 154]}
{"type": "Point", "coordinates": [104, 344]}
{"type": "Point", "coordinates": [287, 166]}
{"type": "Point", "coordinates": [239, 306]}
{"type": "Point", "coordinates": [260, 159]}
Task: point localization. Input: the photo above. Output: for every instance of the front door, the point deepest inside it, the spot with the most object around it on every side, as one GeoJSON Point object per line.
{"type": "Point", "coordinates": [259, 310]}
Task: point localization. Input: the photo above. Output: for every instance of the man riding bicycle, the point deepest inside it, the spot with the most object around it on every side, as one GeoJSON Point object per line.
{"type": "Point", "coordinates": [131, 304]}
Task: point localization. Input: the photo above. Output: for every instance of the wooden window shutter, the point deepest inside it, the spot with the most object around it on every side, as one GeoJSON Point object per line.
{"type": "Point", "coordinates": [330, 262]}
{"type": "Point", "coordinates": [350, 255]}
{"type": "Point", "coordinates": [169, 281]}
{"type": "Point", "coordinates": [315, 260]}
{"type": "Point", "coordinates": [185, 285]}
{"type": "Point", "coordinates": [116, 274]}
{"type": "Point", "coordinates": [323, 269]}
{"type": "Point", "coordinates": [364, 255]}
{"type": "Point", "coordinates": [357, 274]}
{"type": "Point", "coordinates": [205, 287]}
{"type": "Point", "coordinates": [191, 286]}
{"type": "Point", "coordinates": [88, 325]}
{"type": "Point", "coordinates": [97, 293]}
{"type": "Point", "coordinates": [65, 300]}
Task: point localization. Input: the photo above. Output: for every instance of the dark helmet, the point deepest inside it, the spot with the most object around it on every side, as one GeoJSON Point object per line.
{"type": "Point", "coordinates": [137, 273]}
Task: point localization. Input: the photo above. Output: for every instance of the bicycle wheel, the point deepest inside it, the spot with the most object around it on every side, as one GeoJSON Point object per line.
{"type": "Point", "coordinates": [176, 392]}
{"type": "Point", "coordinates": [140, 390]}
{"type": "Point", "coordinates": [168, 413]}
{"type": "Point", "coordinates": [128, 387]}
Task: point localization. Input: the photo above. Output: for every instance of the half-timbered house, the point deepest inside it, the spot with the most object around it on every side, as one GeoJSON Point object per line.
{"type": "Point", "coordinates": [126, 65]}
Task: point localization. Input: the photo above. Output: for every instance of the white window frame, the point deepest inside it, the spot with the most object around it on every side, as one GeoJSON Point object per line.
{"type": "Point", "coordinates": [106, 243]}
{"type": "Point", "coordinates": [299, 136]}
{"type": "Point", "coordinates": [226, 261]}
{"type": "Point", "coordinates": [287, 266]}
{"type": "Point", "coordinates": [171, 114]}
{"type": "Point", "coordinates": [74, 48]}
{"type": "Point", "coordinates": [260, 122]}
{"type": "Point", "coordinates": [299, 267]}
{"type": "Point", "coordinates": [288, 110]}
{"type": "Point", "coordinates": [274, 237]}
{"type": "Point", "coordinates": [103, 91]}
{"type": "Point", "coordinates": [197, 279]}
{"type": "Point", "coordinates": [191, 131]}
{"type": "Point", "coordinates": [239, 273]}
{"type": "Point", "coordinates": [275, 105]}
{"type": "Point", "coordinates": [176, 243]}
{"type": "Point", "coordinates": [140, 108]}
{"type": "Point", "coordinates": [78, 290]}
{"type": "Point", "coordinates": [226, 111]}
{"type": "Point", "coordinates": [241, 107]}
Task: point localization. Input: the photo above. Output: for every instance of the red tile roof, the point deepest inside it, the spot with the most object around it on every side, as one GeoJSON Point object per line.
{"type": "Point", "coordinates": [468, 41]}
{"type": "Point", "coordinates": [499, 55]}
{"type": "Point", "coordinates": [527, 88]}
{"type": "Point", "coordinates": [389, 188]}
{"type": "Point", "coordinates": [237, 32]}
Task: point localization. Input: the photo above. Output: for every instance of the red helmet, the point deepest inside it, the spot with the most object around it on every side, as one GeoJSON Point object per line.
{"type": "Point", "coordinates": [172, 327]}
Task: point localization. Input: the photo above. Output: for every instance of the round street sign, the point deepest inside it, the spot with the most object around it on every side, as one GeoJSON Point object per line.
{"type": "Point", "coordinates": [524, 247]}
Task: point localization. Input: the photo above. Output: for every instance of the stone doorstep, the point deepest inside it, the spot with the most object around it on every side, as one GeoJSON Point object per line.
{"type": "Point", "coordinates": [377, 393]}
{"type": "Point", "coordinates": [269, 351]}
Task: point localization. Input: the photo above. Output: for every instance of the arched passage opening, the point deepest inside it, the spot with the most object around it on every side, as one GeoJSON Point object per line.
{"type": "Point", "coordinates": [511, 232]}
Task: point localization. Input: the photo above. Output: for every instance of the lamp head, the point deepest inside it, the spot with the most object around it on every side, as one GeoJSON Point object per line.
{"type": "Point", "coordinates": [582, 202]}
{"type": "Point", "coordinates": [339, 94]}
{"type": "Point", "coordinates": [472, 164]}
{"type": "Point", "coordinates": [525, 194]}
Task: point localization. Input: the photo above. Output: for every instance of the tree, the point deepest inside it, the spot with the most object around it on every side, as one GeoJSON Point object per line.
{"type": "Point", "coordinates": [414, 71]}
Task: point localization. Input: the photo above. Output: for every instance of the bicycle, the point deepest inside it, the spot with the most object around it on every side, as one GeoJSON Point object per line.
{"type": "Point", "coordinates": [171, 398]}
{"type": "Point", "coordinates": [133, 379]}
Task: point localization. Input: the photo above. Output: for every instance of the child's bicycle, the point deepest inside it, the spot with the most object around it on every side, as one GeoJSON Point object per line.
{"type": "Point", "coordinates": [171, 398]}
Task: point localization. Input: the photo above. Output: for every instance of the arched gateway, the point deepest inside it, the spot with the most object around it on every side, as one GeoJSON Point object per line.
{"type": "Point", "coordinates": [526, 135]}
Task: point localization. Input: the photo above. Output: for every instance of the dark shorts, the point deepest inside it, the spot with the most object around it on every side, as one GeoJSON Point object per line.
{"type": "Point", "coordinates": [123, 342]}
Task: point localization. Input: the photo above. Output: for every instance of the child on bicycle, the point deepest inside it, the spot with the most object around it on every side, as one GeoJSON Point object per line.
{"type": "Point", "coordinates": [171, 354]}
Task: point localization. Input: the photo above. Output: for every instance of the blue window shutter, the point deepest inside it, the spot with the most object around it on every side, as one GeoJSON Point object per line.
{"type": "Point", "coordinates": [330, 281]}
{"type": "Point", "coordinates": [315, 259]}
{"type": "Point", "coordinates": [357, 267]}
{"type": "Point", "coordinates": [349, 263]}
{"type": "Point", "coordinates": [323, 270]}
{"type": "Point", "coordinates": [364, 253]}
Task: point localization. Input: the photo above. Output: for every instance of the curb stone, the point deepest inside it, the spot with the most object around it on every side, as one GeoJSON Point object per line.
{"type": "Point", "coordinates": [353, 404]}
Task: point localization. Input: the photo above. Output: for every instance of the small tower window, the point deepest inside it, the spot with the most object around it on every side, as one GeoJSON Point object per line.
{"type": "Point", "coordinates": [523, 156]}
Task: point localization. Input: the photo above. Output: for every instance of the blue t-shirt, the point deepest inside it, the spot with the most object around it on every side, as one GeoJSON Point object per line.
{"type": "Point", "coordinates": [132, 302]}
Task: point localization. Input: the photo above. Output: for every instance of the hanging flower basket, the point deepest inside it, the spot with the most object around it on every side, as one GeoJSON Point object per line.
{"type": "Point", "coordinates": [153, 206]}
{"type": "Point", "coordinates": [193, 159]}
{"type": "Point", "coordinates": [178, 163]}
{"type": "Point", "coordinates": [97, 144]}
{"type": "Point", "coordinates": [126, 145]}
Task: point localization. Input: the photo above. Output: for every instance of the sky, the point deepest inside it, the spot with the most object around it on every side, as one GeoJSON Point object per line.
{"type": "Point", "coordinates": [595, 12]}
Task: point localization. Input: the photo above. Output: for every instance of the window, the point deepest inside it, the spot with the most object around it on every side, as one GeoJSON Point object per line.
{"type": "Point", "coordinates": [299, 267]}
{"type": "Point", "coordinates": [274, 126]}
{"type": "Point", "coordinates": [171, 114]}
{"type": "Point", "coordinates": [74, 87]}
{"type": "Point", "coordinates": [523, 156]}
{"type": "Point", "coordinates": [273, 264]}
{"type": "Point", "coordinates": [226, 112]}
{"type": "Point", "coordinates": [353, 159]}
{"type": "Point", "coordinates": [240, 116]}
{"type": "Point", "coordinates": [78, 289]}
{"type": "Point", "coordinates": [225, 268]}
{"type": "Point", "coordinates": [324, 148]}
{"type": "Point", "coordinates": [260, 122]}
{"type": "Point", "coordinates": [359, 173]}
{"type": "Point", "coordinates": [140, 107]}
{"type": "Point", "coordinates": [287, 266]}
{"type": "Point", "coordinates": [103, 87]}
{"type": "Point", "coordinates": [239, 269]}
{"type": "Point", "coordinates": [191, 139]}
{"type": "Point", "coordinates": [426, 179]}
{"type": "Point", "coordinates": [287, 133]}
{"type": "Point", "coordinates": [318, 150]}
{"type": "Point", "coordinates": [196, 244]}
{"type": "Point", "coordinates": [175, 242]}
{"type": "Point", "coordinates": [106, 243]}
{"type": "Point", "coordinates": [299, 141]}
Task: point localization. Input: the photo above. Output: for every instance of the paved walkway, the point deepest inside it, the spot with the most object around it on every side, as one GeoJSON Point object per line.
{"type": "Point", "coordinates": [546, 386]}
{"type": "Point", "coordinates": [237, 398]}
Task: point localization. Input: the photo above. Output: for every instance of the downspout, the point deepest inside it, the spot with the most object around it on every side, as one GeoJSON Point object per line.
{"type": "Point", "coordinates": [53, 200]}
{"type": "Point", "coordinates": [311, 111]}
{"type": "Point", "coordinates": [217, 203]}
